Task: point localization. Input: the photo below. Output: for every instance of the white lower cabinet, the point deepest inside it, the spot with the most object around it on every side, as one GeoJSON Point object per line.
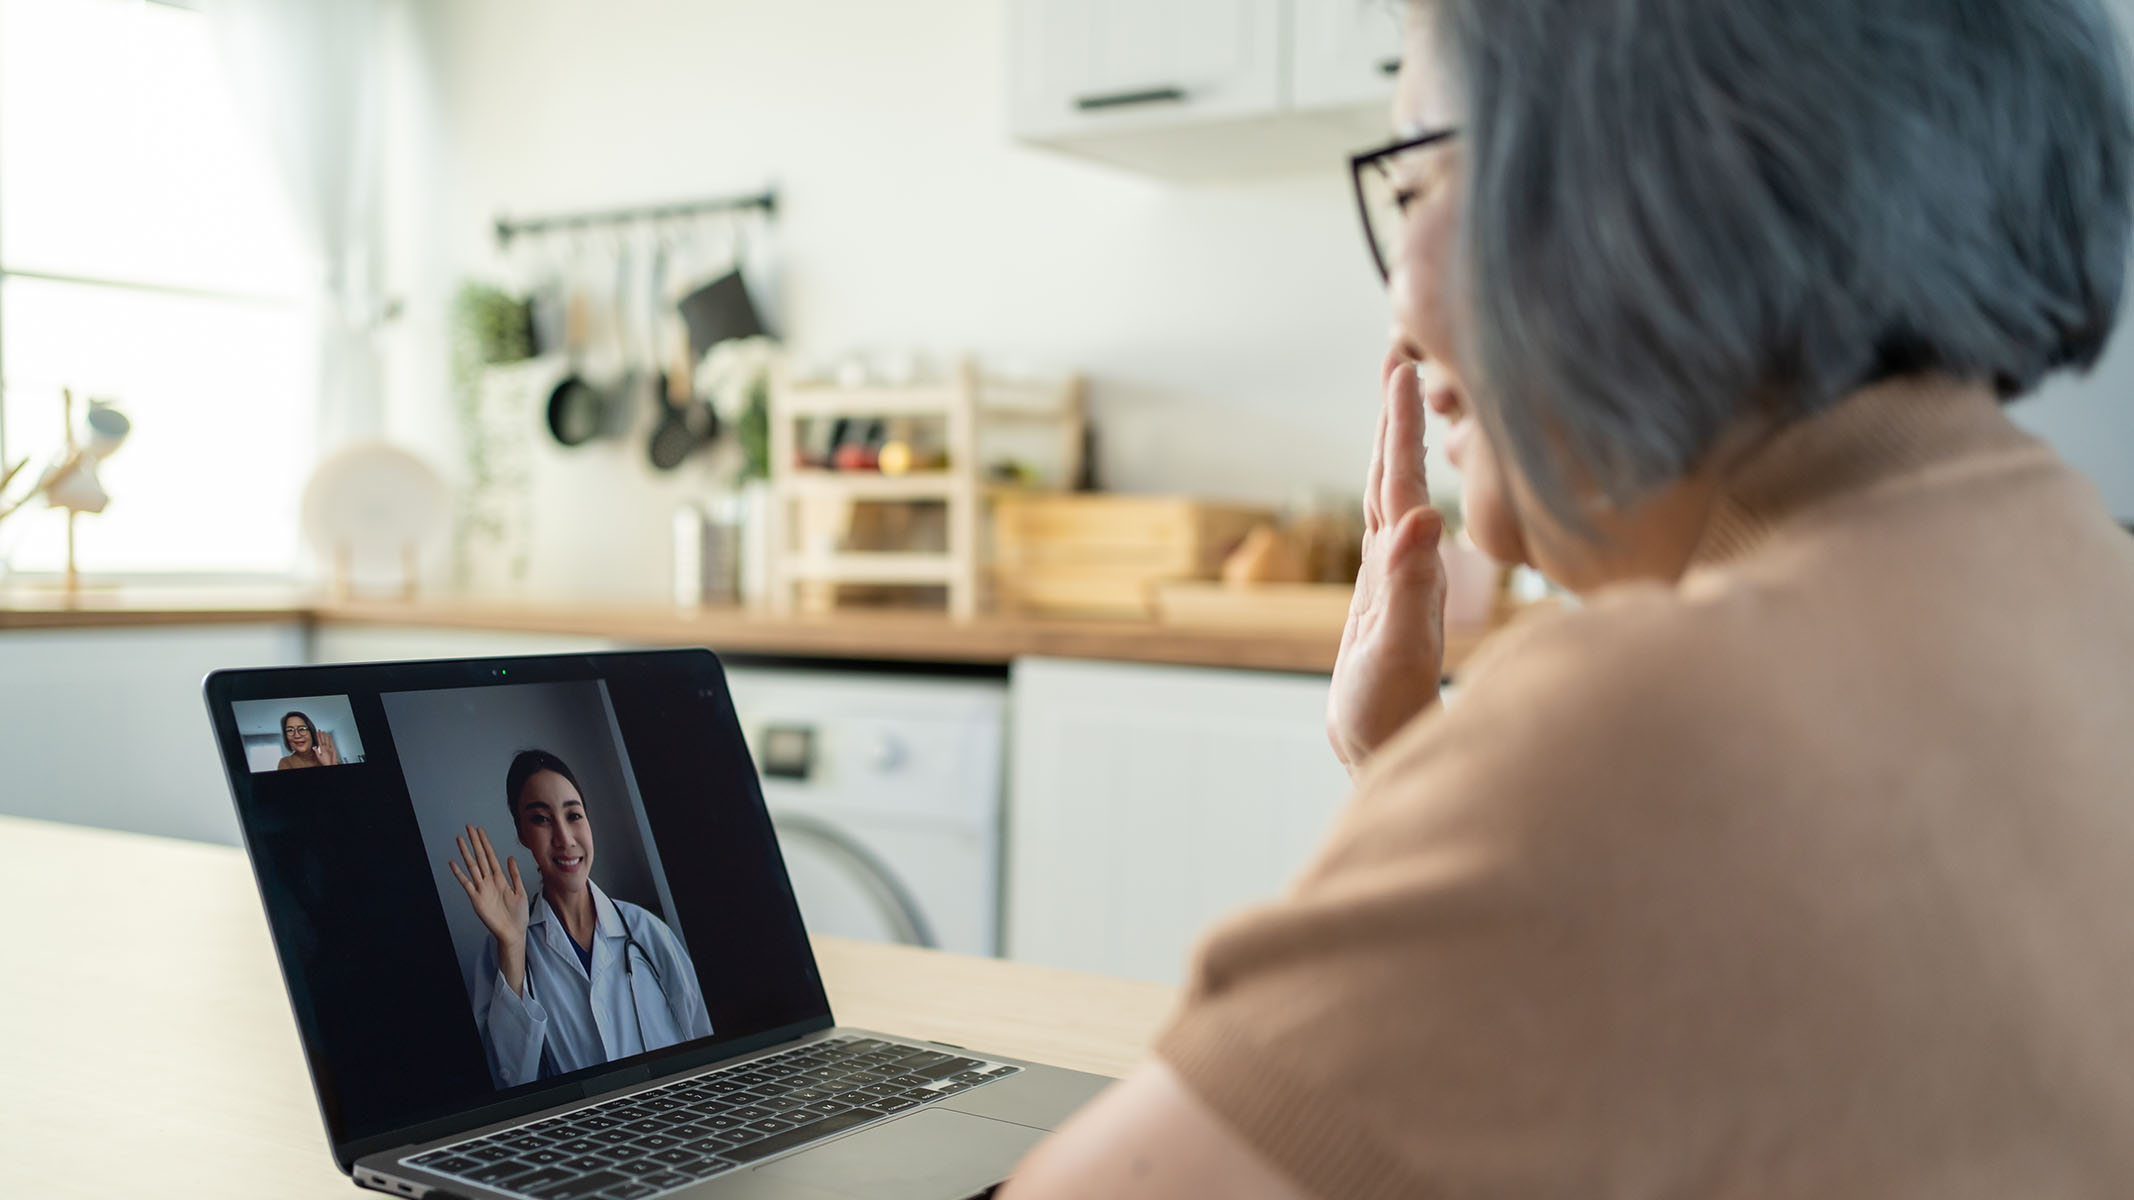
{"type": "Point", "coordinates": [107, 727]}
{"type": "Point", "coordinates": [1146, 802]}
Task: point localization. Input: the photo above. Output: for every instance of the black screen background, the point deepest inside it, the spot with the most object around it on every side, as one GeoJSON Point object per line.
{"type": "Point", "coordinates": [373, 977]}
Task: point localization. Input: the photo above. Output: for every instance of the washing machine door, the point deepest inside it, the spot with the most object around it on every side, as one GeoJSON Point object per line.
{"type": "Point", "coordinates": [844, 888]}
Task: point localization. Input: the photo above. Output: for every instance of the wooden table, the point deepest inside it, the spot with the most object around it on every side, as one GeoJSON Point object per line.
{"type": "Point", "coordinates": [147, 1049]}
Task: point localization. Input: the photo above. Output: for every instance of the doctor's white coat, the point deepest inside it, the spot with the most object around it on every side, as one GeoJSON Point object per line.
{"type": "Point", "coordinates": [569, 1018]}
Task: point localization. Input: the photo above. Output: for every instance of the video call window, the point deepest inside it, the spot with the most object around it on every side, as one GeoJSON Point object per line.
{"type": "Point", "coordinates": [298, 732]}
{"type": "Point", "coordinates": [548, 876]}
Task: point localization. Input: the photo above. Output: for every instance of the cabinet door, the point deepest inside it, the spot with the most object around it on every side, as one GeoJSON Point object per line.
{"type": "Point", "coordinates": [1098, 65]}
{"type": "Point", "coordinates": [1147, 802]}
{"type": "Point", "coordinates": [1345, 53]}
{"type": "Point", "coordinates": [105, 727]}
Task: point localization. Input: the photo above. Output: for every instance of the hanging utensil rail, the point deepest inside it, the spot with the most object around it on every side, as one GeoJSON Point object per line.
{"type": "Point", "coordinates": [507, 228]}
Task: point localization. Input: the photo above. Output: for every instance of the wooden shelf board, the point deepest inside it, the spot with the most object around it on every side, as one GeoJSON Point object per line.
{"type": "Point", "coordinates": [871, 568]}
{"type": "Point", "coordinates": [867, 485]}
{"type": "Point", "coordinates": [866, 402]}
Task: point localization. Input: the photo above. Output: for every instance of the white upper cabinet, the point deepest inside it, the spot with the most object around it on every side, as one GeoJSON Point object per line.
{"type": "Point", "coordinates": [1344, 52]}
{"type": "Point", "coordinates": [1203, 89]}
{"type": "Point", "coordinates": [1113, 65]}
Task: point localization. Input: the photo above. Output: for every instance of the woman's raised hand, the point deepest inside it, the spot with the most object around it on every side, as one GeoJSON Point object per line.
{"type": "Point", "coordinates": [494, 890]}
{"type": "Point", "coordinates": [1393, 648]}
{"type": "Point", "coordinates": [325, 751]}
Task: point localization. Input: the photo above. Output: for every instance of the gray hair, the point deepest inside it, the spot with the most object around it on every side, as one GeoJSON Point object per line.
{"type": "Point", "coordinates": [1681, 213]}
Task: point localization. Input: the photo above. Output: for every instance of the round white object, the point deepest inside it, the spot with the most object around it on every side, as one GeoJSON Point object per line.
{"type": "Point", "coordinates": [373, 499]}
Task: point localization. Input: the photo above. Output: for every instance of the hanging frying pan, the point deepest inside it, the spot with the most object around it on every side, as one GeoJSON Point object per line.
{"type": "Point", "coordinates": [576, 409]}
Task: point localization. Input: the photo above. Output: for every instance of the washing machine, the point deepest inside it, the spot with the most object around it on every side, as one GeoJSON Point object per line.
{"type": "Point", "coordinates": [886, 792]}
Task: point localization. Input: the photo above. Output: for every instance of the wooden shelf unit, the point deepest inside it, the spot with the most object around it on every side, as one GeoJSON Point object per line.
{"type": "Point", "coordinates": [814, 505]}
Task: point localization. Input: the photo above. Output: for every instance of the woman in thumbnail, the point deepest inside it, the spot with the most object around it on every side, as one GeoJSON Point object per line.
{"type": "Point", "coordinates": [571, 978]}
{"type": "Point", "coordinates": [306, 746]}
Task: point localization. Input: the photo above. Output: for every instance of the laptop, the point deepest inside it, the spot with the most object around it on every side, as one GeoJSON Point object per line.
{"type": "Point", "coordinates": [540, 944]}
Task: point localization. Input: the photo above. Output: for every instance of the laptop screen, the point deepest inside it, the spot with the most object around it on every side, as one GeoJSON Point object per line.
{"type": "Point", "coordinates": [495, 882]}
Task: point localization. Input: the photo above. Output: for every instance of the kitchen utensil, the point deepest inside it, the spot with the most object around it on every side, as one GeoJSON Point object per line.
{"type": "Point", "coordinates": [547, 302]}
{"type": "Point", "coordinates": [706, 558]}
{"type": "Point", "coordinates": [720, 310]}
{"type": "Point", "coordinates": [675, 437]}
{"type": "Point", "coordinates": [576, 409]}
{"type": "Point", "coordinates": [622, 408]}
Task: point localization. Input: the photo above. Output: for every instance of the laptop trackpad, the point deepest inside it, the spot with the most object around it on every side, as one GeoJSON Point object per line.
{"type": "Point", "coordinates": [930, 1155]}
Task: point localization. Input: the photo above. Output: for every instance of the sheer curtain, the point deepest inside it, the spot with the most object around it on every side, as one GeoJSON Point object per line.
{"type": "Point", "coordinates": [311, 72]}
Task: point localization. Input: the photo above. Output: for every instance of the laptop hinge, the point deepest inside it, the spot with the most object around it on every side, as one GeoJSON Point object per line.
{"type": "Point", "coordinates": [614, 1081]}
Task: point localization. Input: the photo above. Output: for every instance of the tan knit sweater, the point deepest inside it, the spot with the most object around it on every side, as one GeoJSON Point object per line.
{"type": "Point", "coordinates": [1810, 876]}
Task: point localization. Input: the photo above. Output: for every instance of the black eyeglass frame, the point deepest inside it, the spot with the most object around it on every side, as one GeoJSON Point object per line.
{"type": "Point", "coordinates": [1369, 159]}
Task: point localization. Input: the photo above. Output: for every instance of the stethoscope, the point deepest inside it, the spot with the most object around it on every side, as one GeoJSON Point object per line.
{"type": "Point", "coordinates": [629, 943]}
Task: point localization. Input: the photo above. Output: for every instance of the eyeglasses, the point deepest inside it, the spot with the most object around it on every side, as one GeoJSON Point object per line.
{"type": "Point", "coordinates": [1382, 198]}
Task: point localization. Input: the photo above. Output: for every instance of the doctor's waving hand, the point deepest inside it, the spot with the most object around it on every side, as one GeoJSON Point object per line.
{"type": "Point", "coordinates": [569, 978]}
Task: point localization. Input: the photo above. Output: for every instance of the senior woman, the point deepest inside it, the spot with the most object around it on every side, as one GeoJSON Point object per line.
{"type": "Point", "coordinates": [1798, 859]}
{"type": "Point", "coordinates": [306, 746]}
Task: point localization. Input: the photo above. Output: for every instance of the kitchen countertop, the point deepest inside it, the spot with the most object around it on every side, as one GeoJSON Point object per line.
{"type": "Point", "coordinates": [876, 635]}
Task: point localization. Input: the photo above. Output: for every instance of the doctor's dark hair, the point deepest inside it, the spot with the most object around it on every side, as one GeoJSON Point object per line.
{"type": "Point", "coordinates": [308, 726]}
{"type": "Point", "coordinates": [1682, 213]}
{"type": "Point", "coordinates": [524, 766]}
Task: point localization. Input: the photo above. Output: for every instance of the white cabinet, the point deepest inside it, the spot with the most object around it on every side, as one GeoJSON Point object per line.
{"type": "Point", "coordinates": [1113, 65]}
{"type": "Point", "coordinates": [1202, 89]}
{"type": "Point", "coordinates": [1146, 802]}
{"type": "Point", "coordinates": [1343, 53]}
{"type": "Point", "coordinates": [107, 727]}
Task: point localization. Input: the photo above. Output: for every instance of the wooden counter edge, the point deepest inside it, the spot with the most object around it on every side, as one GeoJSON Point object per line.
{"type": "Point", "coordinates": [887, 636]}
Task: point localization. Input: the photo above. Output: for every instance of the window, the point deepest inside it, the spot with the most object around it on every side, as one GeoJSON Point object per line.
{"type": "Point", "coordinates": [148, 255]}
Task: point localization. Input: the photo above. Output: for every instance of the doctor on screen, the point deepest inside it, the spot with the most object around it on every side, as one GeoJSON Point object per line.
{"type": "Point", "coordinates": [570, 978]}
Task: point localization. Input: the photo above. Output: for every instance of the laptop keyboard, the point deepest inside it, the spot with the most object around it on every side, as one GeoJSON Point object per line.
{"type": "Point", "coordinates": [669, 1137]}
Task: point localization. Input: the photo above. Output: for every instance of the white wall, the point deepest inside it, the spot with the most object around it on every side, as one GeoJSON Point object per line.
{"type": "Point", "coordinates": [1232, 334]}
{"type": "Point", "coordinates": [2090, 420]}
